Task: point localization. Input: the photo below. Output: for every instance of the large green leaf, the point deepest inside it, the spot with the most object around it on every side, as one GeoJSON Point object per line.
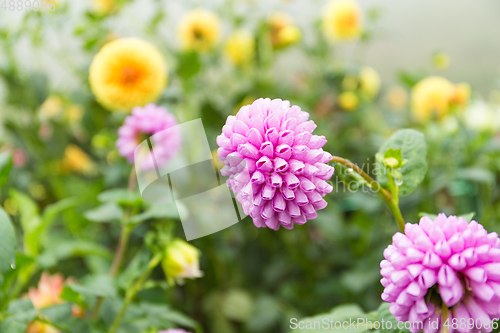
{"type": "Point", "coordinates": [96, 285]}
{"type": "Point", "coordinates": [7, 243]}
{"type": "Point", "coordinates": [105, 213]}
{"type": "Point", "coordinates": [35, 224]}
{"type": "Point", "coordinates": [414, 150]}
{"type": "Point", "coordinates": [5, 166]}
{"type": "Point", "coordinates": [19, 314]}
{"type": "Point", "coordinates": [68, 249]}
{"type": "Point", "coordinates": [30, 221]}
{"type": "Point", "coordinates": [350, 318]}
{"type": "Point", "coordinates": [384, 315]}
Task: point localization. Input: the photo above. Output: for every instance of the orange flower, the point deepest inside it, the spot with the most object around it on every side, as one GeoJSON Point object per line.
{"type": "Point", "coordinates": [38, 327]}
{"type": "Point", "coordinates": [48, 292]}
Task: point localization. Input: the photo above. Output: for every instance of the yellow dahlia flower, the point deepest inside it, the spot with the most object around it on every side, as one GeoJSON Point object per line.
{"type": "Point", "coordinates": [50, 108]}
{"type": "Point", "coordinates": [74, 113]}
{"type": "Point", "coordinates": [431, 97]}
{"type": "Point", "coordinates": [199, 30]}
{"type": "Point", "coordinates": [240, 48]}
{"type": "Point", "coordinates": [348, 101]}
{"type": "Point", "coordinates": [181, 261]}
{"type": "Point", "coordinates": [76, 160]}
{"type": "Point", "coordinates": [461, 95]}
{"type": "Point", "coordinates": [283, 31]}
{"type": "Point", "coordinates": [127, 72]}
{"type": "Point", "coordinates": [369, 82]}
{"type": "Point", "coordinates": [342, 20]}
{"type": "Point", "coordinates": [104, 7]}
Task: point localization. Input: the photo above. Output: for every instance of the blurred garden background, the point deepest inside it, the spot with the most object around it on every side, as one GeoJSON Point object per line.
{"type": "Point", "coordinates": [362, 70]}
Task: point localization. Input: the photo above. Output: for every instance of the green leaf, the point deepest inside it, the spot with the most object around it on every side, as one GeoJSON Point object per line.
{"type": "Point", "coordinates": [476, 174]}
{"type": "Point", "coordinates": [158, 211]}
{"type": "Point", "coordinates": [69, 249]}
{"type": "Point", "coordinates": [468, 216]}
{"type": "Point", "coordinates": [28, 209]}
{"type": "Point", "coordinates": [30, 221]}
{"type": "Point", "coordinates": [189, 64]}
{"type": "Point", "coordinates": [385, 315]}
{"type": "Point", "coordinates": [414, 150]}
{"type": "Point", "coordinates": [5, 166]}
{"type": "Point", "coordinates": [134, 268]}
{"type": "Point", "coordinates": [431, 216]}
{"type": "Point", "coordinates": [120, 197]}
{"type": "Point", "coordinates": [352, 314]}
{"type": "Point", "coordinates": [19, 314]}
{"type": "Point", "coordinates": [96, 285]}
{"type": "Point", "coordinates": [162, 315]}
{"type": "Point", "coordinates": [68, 294]}
{"type": "Point", "coordinates": [8, 243]}
{"type": "Point", "coordinates": [58, 313]}
{"type": "Point", "coordinates": [61, 315]}
{"type": "Point", "coordinates": [105, 213]}
{"type": "Point", "coordinates": [23, 264]}
{"type": "Point", "coordinates": [267, 313]}
{"type": "Point", "coordinates": [51, 211]}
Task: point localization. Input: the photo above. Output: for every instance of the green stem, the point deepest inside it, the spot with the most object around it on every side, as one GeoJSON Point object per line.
{"type": "Point", "coordinates": [122, 245]}
{"type": "Point", "coordinates": [390, 200]}
{"type": "Point", "coordinates": [444, 317]}
{"type": "Point", "coordinates": [133, 291]}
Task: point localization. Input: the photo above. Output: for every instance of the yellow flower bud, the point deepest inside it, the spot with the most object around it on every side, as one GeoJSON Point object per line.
{"type": "Point", "coordinates": [461, 95]}
{"type": "Point", "coordinates": [348, 101]}
{"type": "Point", "coordinates": [76, 160]}
{"type": "Point", "coordinates": [369, 82]}
{"type": "Point", "coordinates": [283, 31]}
{"type": "Point", "coordinates": [74, 113]}
{"type": "Point", "coordinates": [181, 261]}
{"type": "Point", "coordinates": [50, 108]}
{"type": "Point", "coordinates": [240, 48]}
{"type": "Point", "coordinates": [289, 35]}
{"type": "Point", "coordinates": [199, 30]}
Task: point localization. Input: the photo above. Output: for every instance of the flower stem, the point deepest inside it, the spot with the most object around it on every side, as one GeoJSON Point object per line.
{"type": "Point", "coordinates": [391, 201]}
{"type": "Point", "coordinates": [133, 291]}
{"type": "Point", "coordinates": [122, 245]}
{"type": "Point", "coordinates": [444, 318]}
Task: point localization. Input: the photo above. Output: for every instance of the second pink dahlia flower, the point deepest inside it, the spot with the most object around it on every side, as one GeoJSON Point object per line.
{"type": "Point", "coordinates": [443, 265]}
{"type": "Point", "coordinates": [143, 123]}
{"type": "Point", "coordinates": [276, 165]}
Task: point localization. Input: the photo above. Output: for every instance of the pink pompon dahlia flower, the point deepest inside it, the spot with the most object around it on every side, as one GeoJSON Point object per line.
{"type": "Point", "coordinates": [174, 330]}
{"type": "Point", "coordinates": [143, 123]}
{"type": "Point", "coordinates": [276, 165]}
{"type": "Point", "coordinates": [440, 266]}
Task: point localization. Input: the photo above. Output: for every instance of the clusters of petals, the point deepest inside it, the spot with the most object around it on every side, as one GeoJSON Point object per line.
{"type": "Point", "coordinates": [276, 165]}
{"type": "Point", "coordinates": [445, 263]}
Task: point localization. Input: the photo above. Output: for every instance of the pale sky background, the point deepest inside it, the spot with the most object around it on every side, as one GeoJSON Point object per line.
{"type": "Point", "coordinates": [407, 34]}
